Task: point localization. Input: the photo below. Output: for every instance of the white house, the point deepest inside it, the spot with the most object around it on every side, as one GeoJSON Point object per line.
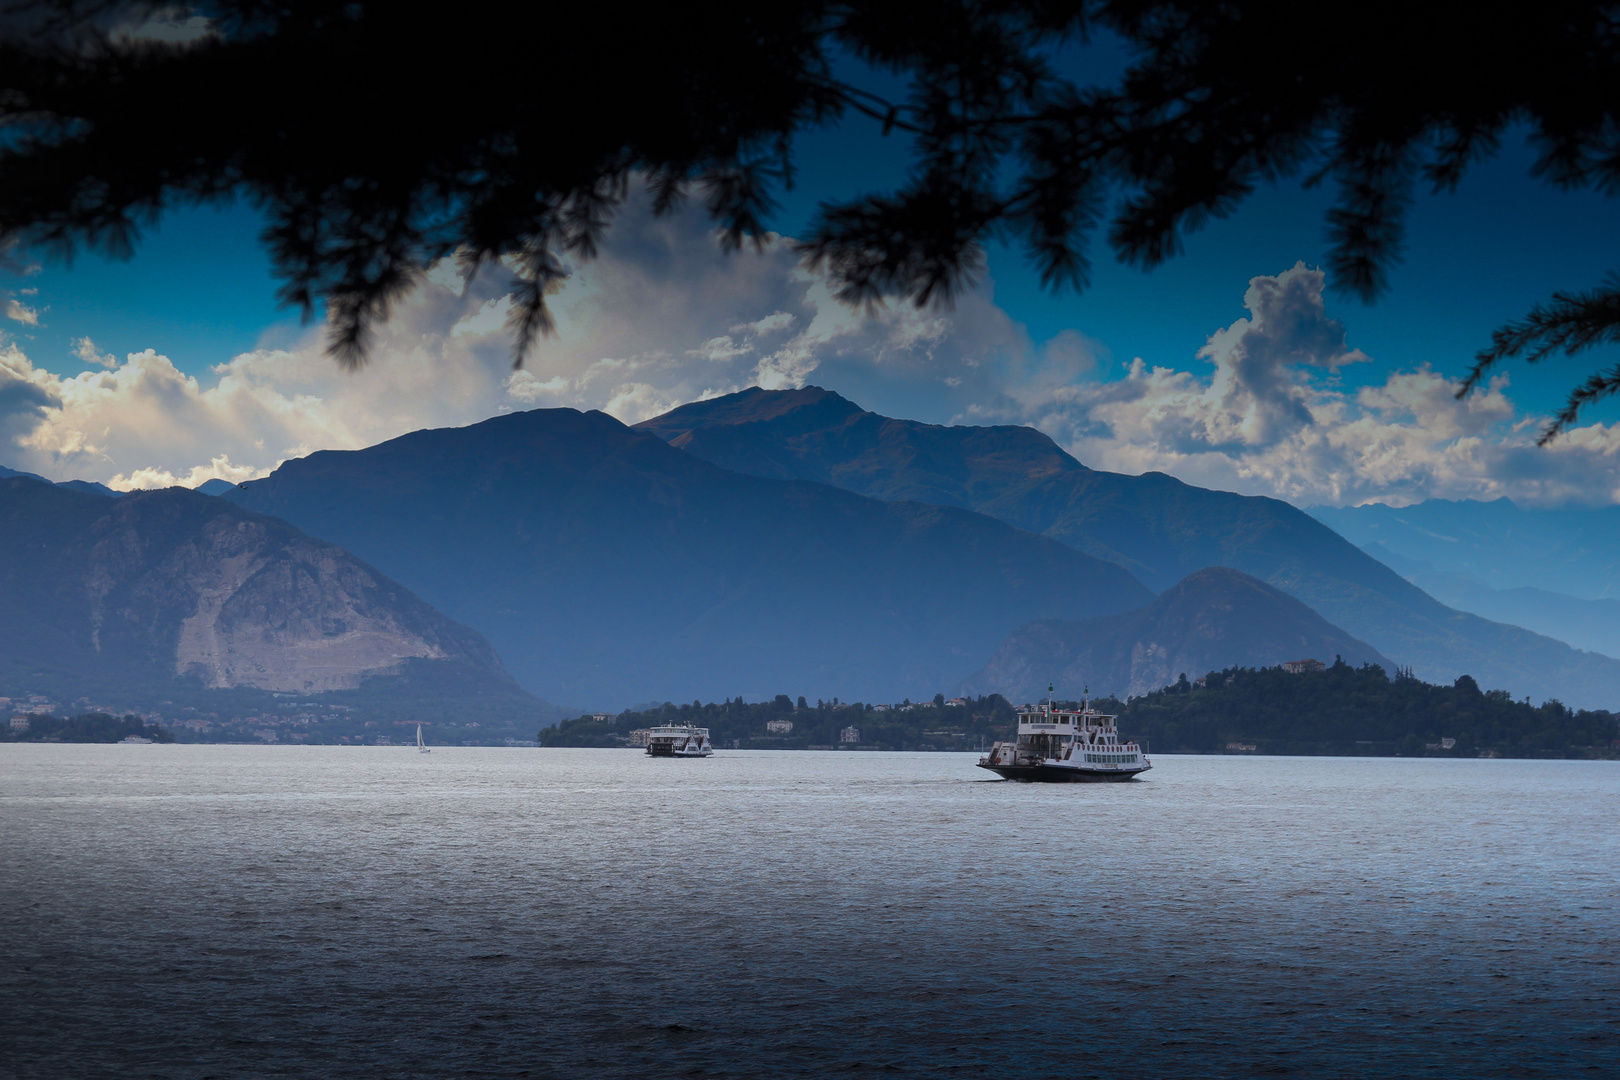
{"type": "Point", "coordinates": [850, 735]}
{"type": "Point", "coordinates": [778, 727]}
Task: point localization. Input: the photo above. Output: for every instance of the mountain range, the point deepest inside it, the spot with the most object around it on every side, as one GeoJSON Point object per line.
{"type": "Point", "coordinates": [1213, 619]}
{"type": "Point", "coordinates": [1497, 544]}
{"type": "Point", "coordinates": [1586, 624]}
{"type": "Point", "coordinates": [610, 567]}
{"type": "Point", "coordinates": [753, 544]}
{"type": "Point", "coordinates": [172, 594]}
{"type": "Point", "coordinates": [87, 486]}
{"type": "Point", "coordinates": [1156, 526]}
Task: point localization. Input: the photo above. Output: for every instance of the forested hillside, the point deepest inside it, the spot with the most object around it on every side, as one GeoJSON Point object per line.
{"type": "Point", "coordinates": [927, 726]}
{"type": "Point", "coordinates": [93, 727]}
{"type": "Point", "coordinates": [1350, 710]}
{"type": "Point", "coordinates": [1343, 710]}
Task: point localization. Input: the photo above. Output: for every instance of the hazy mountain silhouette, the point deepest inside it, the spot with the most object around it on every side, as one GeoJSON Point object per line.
{"type": "Point", "coordinates": [163, 591]}
{"type": "Point", "coordinates": [89, 486]}
{"type": "Point", "coordinates": [1155, 525]}
{"type": "Point", "coordinates": [1213, 619]}
{"type": "Point", "coordinates": [1497, 544]}
{"type": "Point", "coordinates": [609, 567]}
{"type": "Point", "coordinates": [1585, 624]}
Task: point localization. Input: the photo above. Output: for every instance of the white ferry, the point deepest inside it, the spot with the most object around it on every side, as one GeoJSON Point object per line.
{"type": "Point", "coordinates": [679, 740]}
{"type": "Point", "coordinates": [1066, 745]}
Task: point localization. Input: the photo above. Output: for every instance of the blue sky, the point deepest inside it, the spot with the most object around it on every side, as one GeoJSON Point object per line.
{"type": "Point", "coordinates": [200, 288]}
{"type": "Point", "coordinates": [199, 292]}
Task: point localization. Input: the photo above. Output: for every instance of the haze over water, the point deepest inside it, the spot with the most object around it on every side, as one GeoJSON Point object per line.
{"type": "Point", "coordinates": [232, 911]}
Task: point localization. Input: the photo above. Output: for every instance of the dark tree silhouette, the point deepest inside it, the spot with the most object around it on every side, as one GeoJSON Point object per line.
{"type": "Point", "coordinates": [377, 141]}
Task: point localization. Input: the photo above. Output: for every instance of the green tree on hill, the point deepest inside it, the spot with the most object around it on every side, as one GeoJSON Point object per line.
{"type": "Point", "coordinates": [1347, 710]}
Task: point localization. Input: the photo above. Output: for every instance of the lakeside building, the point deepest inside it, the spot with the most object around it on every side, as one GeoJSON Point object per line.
{"type": "Point", "coordinates": [850, 735]}
{"type": "Point", "coordinates": [19, 723]}
{"type": "Point", "coordinates": [779, 727]}
{"type": "Point", "coordinates": [637, 737]}
{"type": "Point", "coordinates": [601, 717]}
{"type": "Point", "coordinates": [1300, 667]}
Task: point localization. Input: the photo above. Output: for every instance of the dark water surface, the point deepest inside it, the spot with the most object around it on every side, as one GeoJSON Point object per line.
{"type": "Point", "coordinates": [216, 911]}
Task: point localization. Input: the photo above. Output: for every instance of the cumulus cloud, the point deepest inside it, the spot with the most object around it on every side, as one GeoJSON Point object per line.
{"type": "Point", "coordinates": [663, 316]}
{"type": "Point", "coordinates": [17, 311]}
{"type": "Point", "coordinates": [86, 350]}
{"type": "Point", "coordinates": [1270, 419]}
{"type": "Point", "coordinates": [25, 394]}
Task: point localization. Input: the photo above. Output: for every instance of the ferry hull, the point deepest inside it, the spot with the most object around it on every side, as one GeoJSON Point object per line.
{"type": "Point", "coordinates": [1057, 774]}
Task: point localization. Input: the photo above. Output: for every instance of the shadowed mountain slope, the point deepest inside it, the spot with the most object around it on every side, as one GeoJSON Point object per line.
{"type": "Point", "coordinates": [1215, 618]}
{"type": "Point", "coordinates": [171, 589]}
{"type": "Point", "coordinates": [1156, 526]}
{"type": "Point", "coordinates": [814, 434]}
{"type": "Point", "coordinates": [609, 567]}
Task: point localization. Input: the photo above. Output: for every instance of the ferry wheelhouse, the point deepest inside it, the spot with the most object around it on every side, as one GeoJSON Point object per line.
{"type": "Point", "coordinates": [679, 740]}
{"type": "Point", "coordinates": [1056, 744]}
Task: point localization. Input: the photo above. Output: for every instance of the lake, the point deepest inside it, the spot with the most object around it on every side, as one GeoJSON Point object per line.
{"type": "Point", "coordinates": [236, 911]}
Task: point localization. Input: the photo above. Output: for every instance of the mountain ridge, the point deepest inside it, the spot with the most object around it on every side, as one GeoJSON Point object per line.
{"type": "Point", "coordinates": [610, 567]}
{"type": "Point", "coordinates": [1496, 543]}
{"type": "Point", "coordinates": [1160, 528]}
{"type": "Point", "coordinates": [1213, 619]}
{"type": "Point", "coordinates": [170, 591]}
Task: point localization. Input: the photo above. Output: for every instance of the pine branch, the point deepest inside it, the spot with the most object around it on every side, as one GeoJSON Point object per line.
{"type": "Point", "coordinates": [1570, 323]}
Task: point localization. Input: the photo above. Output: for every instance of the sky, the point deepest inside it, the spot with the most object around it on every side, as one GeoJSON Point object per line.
{"type": "Point", "coordinates": [1232, 366]}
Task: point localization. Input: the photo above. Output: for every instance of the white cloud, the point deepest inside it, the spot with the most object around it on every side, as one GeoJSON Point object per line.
{"type": "Point", "coordinates": [1270, 419]}
{"type": "Point", "coordinates": [663, 316]}
{"type": "Point", "coordinates": [86, 350]}
{"type": "Point", "coordinates": [220, 468]}
{"type": "Point", "coordinates": [17, 311]}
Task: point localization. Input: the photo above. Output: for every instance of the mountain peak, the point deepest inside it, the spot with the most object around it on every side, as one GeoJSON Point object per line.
{"type": "Point", "coordinates": [169, 589]}
{"type": "Point", "coordinates": [1212, 619]}
{"type": "Point", "coordinates": [609, 566]}
{"type": "Point", "coordinates": [815, 434]}
{"type": "Point", "coordinates": [802, 408]}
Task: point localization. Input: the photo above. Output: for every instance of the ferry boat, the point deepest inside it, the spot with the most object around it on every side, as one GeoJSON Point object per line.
{"type": "Point", "coordinates": [1066, 745]}
{"type": "Point", "coordinates": [679, 740]}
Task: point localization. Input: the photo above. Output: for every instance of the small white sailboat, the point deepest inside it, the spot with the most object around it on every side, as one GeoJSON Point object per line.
{"type": "Point", "coordinates": [421, 746]}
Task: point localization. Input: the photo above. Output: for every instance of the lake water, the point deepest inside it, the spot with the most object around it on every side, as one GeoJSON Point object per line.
{"type": "Point", "coordinates": [220, 911]}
